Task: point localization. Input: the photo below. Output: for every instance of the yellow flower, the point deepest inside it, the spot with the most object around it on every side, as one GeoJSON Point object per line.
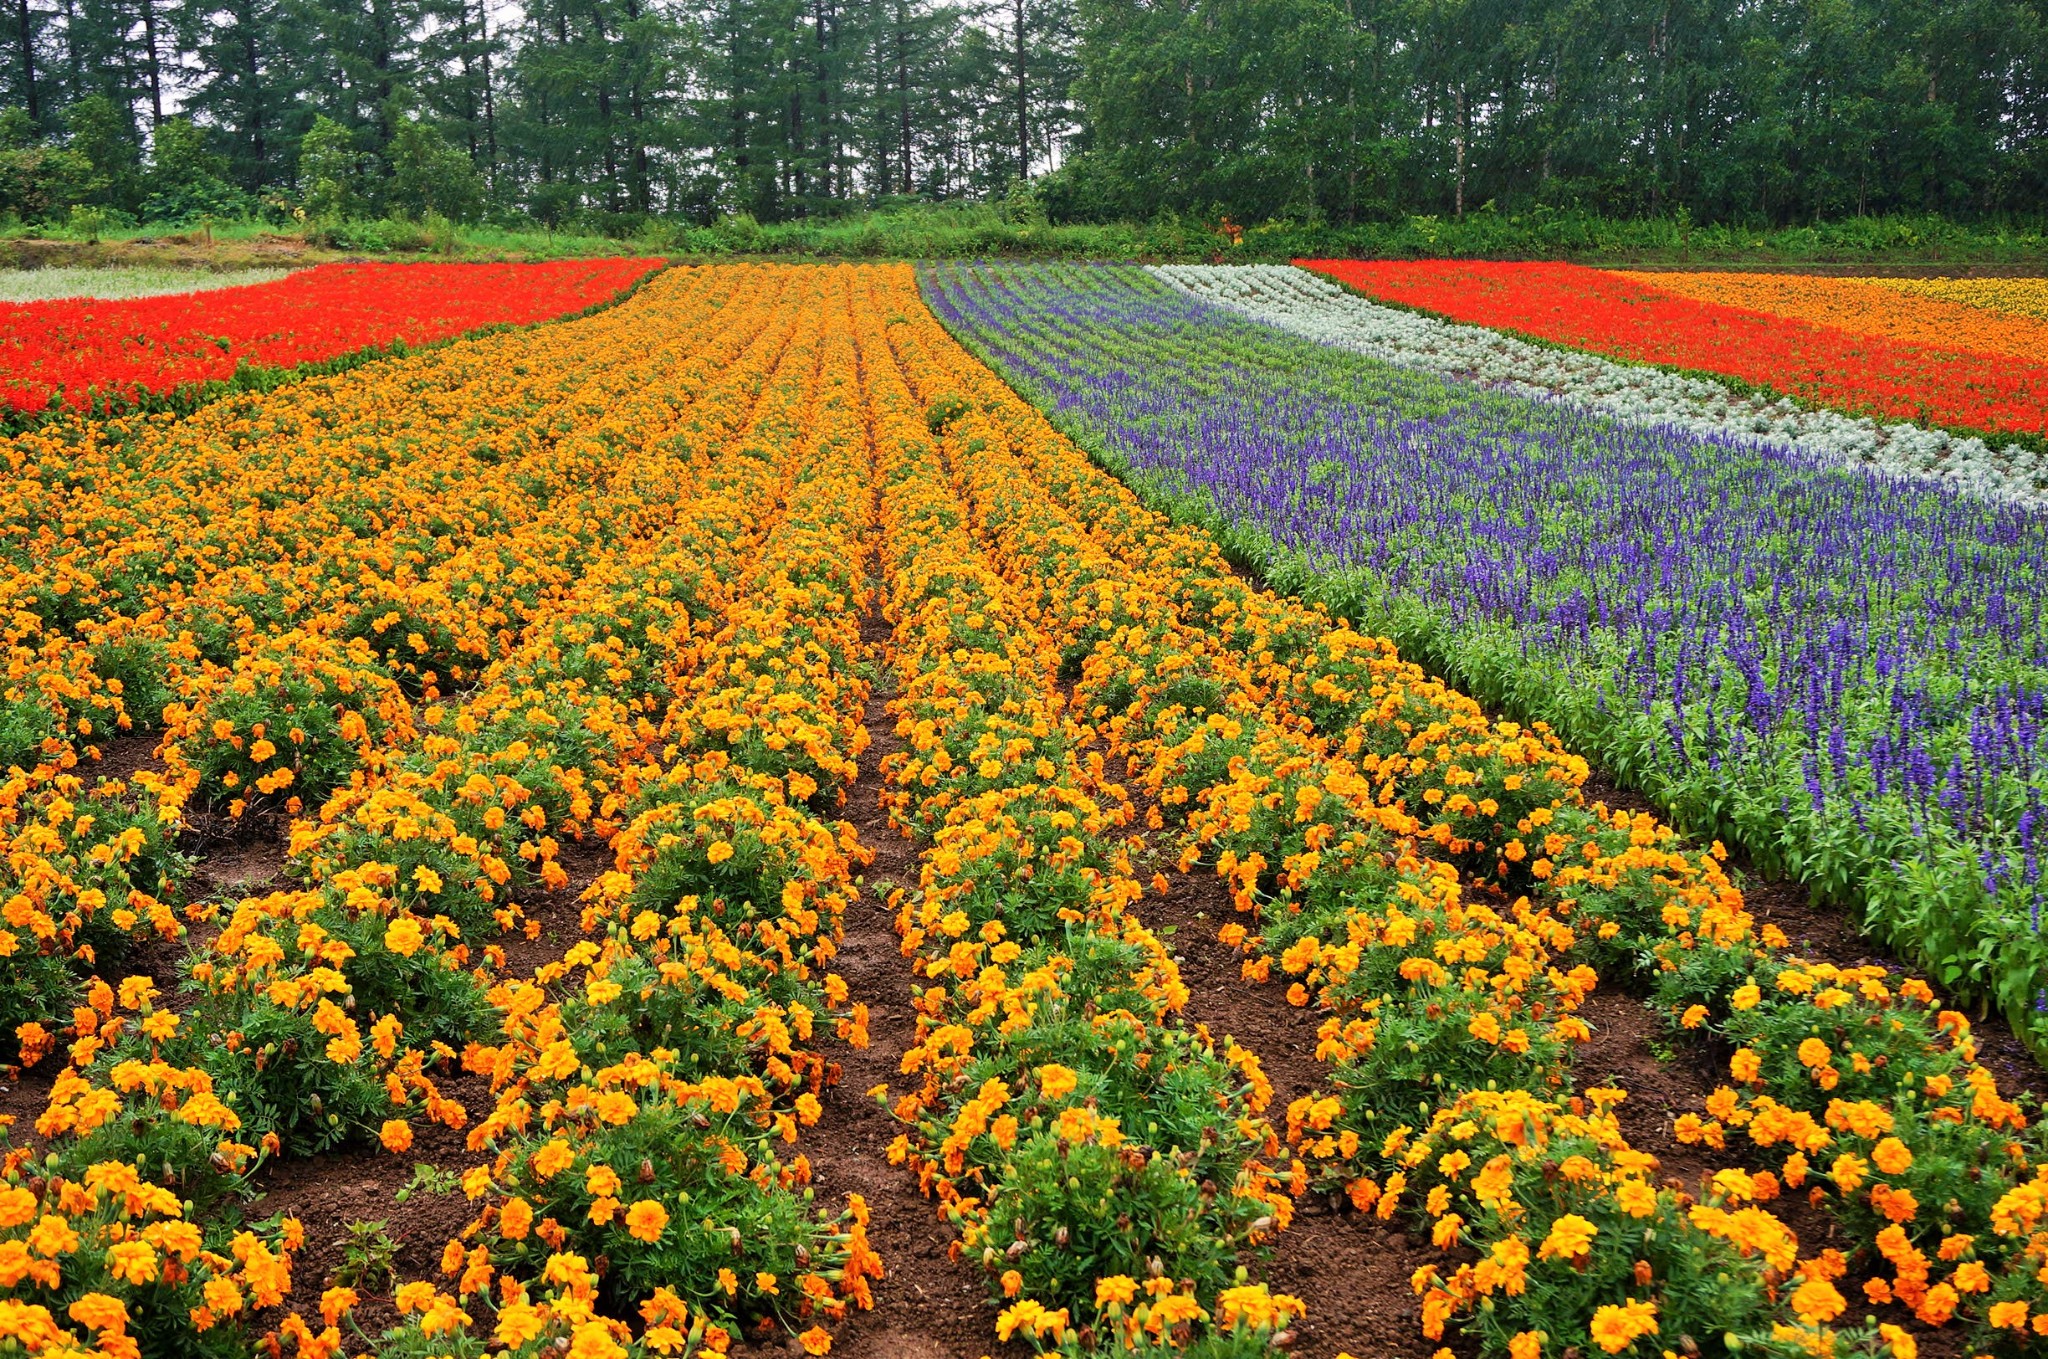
{"type": "Point", "coordinates": [1816, 1300]}
{"type": "Point", "coordinates": [132, 1262]}
{"type": "Point", "coordinates": [1117, 1290]}
{"type": "Point", "coordinates": [403, 936]}
{"type": "Point", "coordinates": [1056, 1081]}
{"type": "Point", "coordinates": [1570, 1237]}
{"type": "Point", "coordinates": [517, 1324]}
{"type": "Point", "coordinates": [1616, 1328]}
{"type": "Point", "coordinates": [1636, 1198]}
{"type": "Point", "coordinates": [100, 1312]}
{"type": "Point", "coordinates": [516, 1220]}
{"type": "Point", "coordinates": [646, 1220]}
{"type": "Point", "coordinates": [1892, 1156]}
{"type": "Point", "coordinates": [2009, 1315]}
{"type": "Point", "coordinates": [552, 1159]}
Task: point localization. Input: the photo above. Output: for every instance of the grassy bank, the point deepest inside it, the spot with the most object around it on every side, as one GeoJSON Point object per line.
{"type": "Point", "coordinates": [966, 231]}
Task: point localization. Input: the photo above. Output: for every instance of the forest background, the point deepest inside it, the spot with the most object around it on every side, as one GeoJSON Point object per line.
{"type": "Point", "coordinates": [1166, 127]}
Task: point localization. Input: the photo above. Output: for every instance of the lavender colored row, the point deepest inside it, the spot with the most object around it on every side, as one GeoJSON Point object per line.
{"type": "Point", "coordinates": [1845, 672]}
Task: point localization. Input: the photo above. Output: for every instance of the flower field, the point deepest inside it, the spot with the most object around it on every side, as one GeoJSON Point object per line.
{"type": "Point", "coordinates": [1317, 309]}
{"type": "Point", "coordinates": [79, 352]}
{"type": "Point", "coordinates": [659, 717]}
{"type": "Point", "coordinates": [1828, 341]}
{"type": "Point", "coordinates": [1786, 655]}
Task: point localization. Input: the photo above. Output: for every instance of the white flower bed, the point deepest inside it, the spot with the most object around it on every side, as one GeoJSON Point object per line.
{"type": "Point", "coordinates": [1316, 308]}
{"type": "Point", "coordinates": [117, 281]}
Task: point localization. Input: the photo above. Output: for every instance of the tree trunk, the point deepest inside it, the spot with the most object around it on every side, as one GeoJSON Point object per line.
{"type": "Point", "coordinates": [604, 116]}
{"type": "Point", "coordinates": [1458, 144]}
{"type": "Point", "coordinates": [820, 90]}
{"type": "Point", "coordinates": [246, 18]}
{"type": "Point", "coordinates": [736, 109]}
{"type": "Point", "coordinates": [799, 173]}
{"type": "Point", "coordinates": [469, 99]}
{"type": "Point", "coordinates": [74, 62]}
{"type": "Point", "coordinates": [380, 61]}
{"type": "Point", "coordinates": [483, 15]}
{"type": "Point", "coordinates": [1023, 96]}
{"type": "Point", "coordinates": [156, 89]}
{"type": "Point", "coordinates": [636, 110]}
{"type": "Point", "coordinates": [902, 87]}
{"type": "Point", "coordinates": [884, 176]}
{"type": "Point", "coordinates": [1350, 112]}
{"type": "Point", "coordinates": [28, 63]}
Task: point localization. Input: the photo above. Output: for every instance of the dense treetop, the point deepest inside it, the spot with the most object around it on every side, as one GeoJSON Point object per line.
{"type": "Point", "coordinates": [607, 111]}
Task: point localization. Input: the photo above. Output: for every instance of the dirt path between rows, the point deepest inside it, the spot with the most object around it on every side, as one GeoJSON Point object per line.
{"type": "Point", "coordinates": [927, 1306]}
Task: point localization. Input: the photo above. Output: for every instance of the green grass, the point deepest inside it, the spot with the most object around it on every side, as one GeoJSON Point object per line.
{"type": "Point", "coordinates": [966, 231]}
{"type": "Point", "coordinates": [970, 231]}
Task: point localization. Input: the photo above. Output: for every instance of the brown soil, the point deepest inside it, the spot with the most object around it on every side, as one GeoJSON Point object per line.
{"type": "Point", "coordinates": [331, 1192]}
{"type": "Point", "coordinates": [928, 1306]}
{"type": "Point", "coordinates": [1827, 933]}
{"type": "Point", "coordinates": [1629, 1050]}
{"type": "Point", "coordinates": [1352, 1271]}
{"type": "Point", "coordinates": [23, 1097]}
{"type": "Point", "coordinates": [122, 757]}
{"type": "Point", "coordinates": [559, 912]}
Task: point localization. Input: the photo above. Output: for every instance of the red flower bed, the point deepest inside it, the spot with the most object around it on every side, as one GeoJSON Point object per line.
{"type": "Point", "coordinates": [78, 350]}
{"type": "Point", "coordinates": [1608, 314]}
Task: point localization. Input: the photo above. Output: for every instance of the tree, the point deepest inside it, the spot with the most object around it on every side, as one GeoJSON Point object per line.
{"type": "Point", "coordinates": [186, 181]}
{"type": "Point", "coordinates": [428, 175]}
{"type": "Point", "coordinates": [331, 172]}
{"type": "Point", "coordinates": [104, 135]}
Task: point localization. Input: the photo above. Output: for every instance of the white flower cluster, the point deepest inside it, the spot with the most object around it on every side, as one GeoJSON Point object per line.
{"type": "Point", "coordinates": [1316, 308]}
{"type": "Point", "coordinates": [142, 280]}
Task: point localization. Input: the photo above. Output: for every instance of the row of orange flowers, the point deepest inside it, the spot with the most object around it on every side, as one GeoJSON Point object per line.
{"type": "Point", "coordinates": [1108, 1164]}
{"type": "Point", "coordinates": [1854, 1063]}
{"type": "Point", "coordinates": [465, 809]}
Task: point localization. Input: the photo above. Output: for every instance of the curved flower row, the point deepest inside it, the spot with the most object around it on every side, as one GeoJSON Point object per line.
{"type": "Point", "coordinates": [1312, 306]}
{"type": "Point", "coordinates": [333, 501]}
{"type": "Point", "coordinates": [81, 352]}
{"type": "Point", "coordinates": [2017, 297]}
{"type": "Point", "coordinates": [440, 830]}
{"type": "Point", "coordinates": [1295, 751]}
{"type": "Point", "coordinates": [1633, 318]}
{"type": "Point", "coordinates": [1812, 666]}
{"type": "Point", "coordinates": [1290, 749]}
{"type": "Point", "coordinates": [143, 1095]}
{"type": "Point", "coordinates": [1863, 306]}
